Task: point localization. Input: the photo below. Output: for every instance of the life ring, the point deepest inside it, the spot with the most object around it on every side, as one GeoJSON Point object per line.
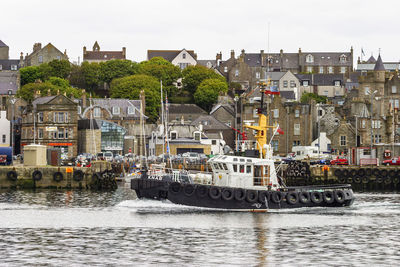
{"type": "Point", "coordinates": [392, 173]}
{"type": "Point", "coordinates": [396, 180]}
{"type": "Point", "coordinates": [353, 172]}
{"type": "Point", "coordinates": [345, 173]}
{"type": "Point", "coordinates": [251, 196]}
{"type": "Point", "coordinates": [387, 180]}
{"type": "Point", "coordinates": [357, 179]}
{"type": "Point", "coordinates": [376, 172]}
{"type": "Point", "coordinates": [214, 192]}
{"type": "Point", "coordinates": [384, 173]}
{"type": "Point", "coordinates": [276, 197]}
{"type": "Point", "coordinates": [188, 189]}
{"type": "Point", "coordinates": [339, 196]}
{"type": "Point", "coordinates": [240, 194]}
{"type": "Point", "coordinates": [337, 172]}
{"type": "Point", "coordinates": [201, 191]}
{"type": "Point", "coordinates": [379, 179]}
{"type": "Point", "coordinates": [316, 197]}
{"type": "Point", "coordinates": [78, 175]}
{"type": "Point", "coordinates": [342, 179]}
{"type": "Point", "coordinates": [264, 196]}
{"type": "Point", "coordinates": [365, 179]}
{"type": "Point", "coordinates": [37, 175]}
{"type": "Point", "coordinates": [349, 180]}
{"type": "Point", "coordinates": [58, 176]}
{"type": "Point", "coordinates": [361, 172]}
{"type": "Point", "coordinates": [175, 187]}
{"type": "Point", "coordinates": [292, 198]}
{"type": "Point", "coordinates": [398, 173]}
{"type": "Point", "coordinates": [304, 197]}
{"type": "Point", "coordinates": [227, 194]}
{"type": "Point", "coordinates": [328, 197]}
{"type": "Point", "coordinates": [348, 194]}
{"type": "Point", "coordinates": [12, 175]}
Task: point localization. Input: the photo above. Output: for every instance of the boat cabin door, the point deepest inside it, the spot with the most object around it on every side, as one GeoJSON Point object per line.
{"type": "Point", "coordinates": [261, 175]}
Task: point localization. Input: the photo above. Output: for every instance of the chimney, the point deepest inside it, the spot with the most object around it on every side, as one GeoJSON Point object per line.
{"type": "Point", "coordinates": [48, 92]}
{"type": "Point", "coordinates": [36, 94]}
{"type": "Point", "coordinates": [233, 54]}
{"type": "Point", "coordinates": [37, 47]}
{"type": "Point", "coordinates": [84, 51]}
{"type": "Point", "coordinates": [262, 57]}
{"type": "Point", "coordinates": [281, 52]}
{"type": "Point", "coordinates": [83, 98]}
{"type": "Point", "coordinates": [21, 60]}
{"type": "Point", "coordinates": [243, 52]}
{"type": "Point", "coordinates": [124, 52]}
{"type": "Point", "coordinates": [219, 56]}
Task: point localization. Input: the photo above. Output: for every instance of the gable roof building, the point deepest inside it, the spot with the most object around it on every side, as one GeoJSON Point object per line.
{"type": "Point", "coordinates": [46, 54]}
{"type": "Point", "coordinates": [181, 58]}
{"type": "Point", "coordinates": [96, 55]}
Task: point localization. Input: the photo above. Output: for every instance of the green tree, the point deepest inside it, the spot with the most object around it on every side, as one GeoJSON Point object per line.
{"type": "Point", "coordinates": [207, 92]}
{"type": "Point", "coordinates": [59, 68]}
{"type": "Point", "coordinates": [117, 68]}
{"type": "Point", "coordinates": [130, 87]}
{"type": "Point", "coordinates": [163, 70]}
{"type": "Point", "coordinates": [234, 86]}
{"type": "Point", "coordinates": [307, 97]}
{"type": "Point", "coordinates": [194, 75]}
{"type": "Point", "coordinates": [85, 76]}
{"type": "Point", "coordinates": [30, 74]}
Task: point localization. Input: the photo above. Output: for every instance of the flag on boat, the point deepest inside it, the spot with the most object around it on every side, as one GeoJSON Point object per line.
{"type": "Point", "coordinates": [279, 130]}
{"type": "Point", "coordinates": [166, 102]}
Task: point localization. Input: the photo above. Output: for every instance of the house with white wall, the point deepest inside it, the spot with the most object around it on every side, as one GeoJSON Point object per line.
{"type": "Point", "coordinates": [5, 129]}
{"type": "Point", "coordinates": [181, 58]}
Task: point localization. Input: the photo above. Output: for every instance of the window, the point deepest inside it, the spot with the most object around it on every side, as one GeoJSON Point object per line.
{"type": "Point", "coordinates": [1, 67]}
{"type": "Point", "coordinates": [309, 69]}
{"type": "Point", "coordinates": [79, 110]}
{"type": "Point", "coordinates": [213, 142]}
{"type": "Point", "coordinates": [40, 59]}
{"type": "Point", "coordinates": [60, 133]}
{"type": "Point", "coordinates": [59, 57]}
{"type": "Point", "coordinates": [197, 136]}
{"type": "Point", "coordinates": [173, 135]}
{"type": "Point", "coordinates": [366, 90]}
{"type": "Point", "coordinates": [309, 59]}
{"type": "Point", "coordinates": [183, 65]}
{"type": "Point", "coordinates": [96, 112]}
{"type": "Point", "coordinates": [363, 123]}
{"type": "Point", "coordinates": [225, 69]}
{"type": "Point", "coordinates": [297, 113]}
{"type": "Point", "coordinates": [378, 138]}
{"type": "Point", "coordinates": [131, 110]}
{"type": "Point", "coordinates": [296, 143]}
{"type": "Point", "coordinates": [285, 84]}
{"type": "Point", "coordinates": [40, 133]}
{"type": "Point", "coordinates": [342, 140]}
{"type": "Point", "coordinates": [14, 67]}
{"type": "Point", "coordinates": [343, 59]}
{"type": "Point", "coordinates": [321, 69]}
{"type": "Point", "coordinates": [325, 93]}
{"type": "Point", "coordinates": [305, 83]}
{"type": "Point", "coordinates": [342, 69]}
{"type": "Point", "coordinates": [330, 69]}
{"type": "Point", "coordinates": [236, 73]}
{"type": "Point", "coordinates": [275, 145]}
{"type": "Point", "coordinates": [248, 169]}
{"type": "Point", "coordinates": [66, 133]}
{"type": "Point", "coordinates": [292, 84]}
{"type": "Point", "coordinates": [115, 110]}
{"type": "Point", "coordinates": [257, 75]}
{"type": "Point", "coordinates": [394, 89]}
{"type": "Point", "coordinates": [337, 83]}
{"type": "Point", "coordinates": [376, 124]}
{"type": "Point", "coordinates": [296, 130]}
{"type": "Point", "coordinates": [255, 113]}
{"type": "Point", "coordinates": [276, 113]}
{"type": "Point", "coordinates": [40, 117]}
{"type": "Point", "coordinates": [61, 117]}
{"type": "Point", "coordinates": [235, 168]}
{"type": "Point", "coordinates": [184, 55]}
{"type": "Point", "coordinates": [4, 138]}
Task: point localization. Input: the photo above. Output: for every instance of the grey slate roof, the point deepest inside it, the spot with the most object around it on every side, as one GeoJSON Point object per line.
{"type": "Point", "coordinates": [327, 79]}
{"type": "Point", "coordinates": [210, 123]}
{"type": "Point", "coordinates": [123, 104]}
{"type": "Point", "coordinates": [8, 80]}
{"type": "Point", "coordinates": [6, 63]}
{"type": "Point", "coordinates": [275, 76]}
{"type": "Point", "coordinates": [228, 108]}
{"type": "Point", "coordinates": [379, 64]}
{"type": "Point", "coordinates": [2, 44]}
{"type": "Point", "coordinates": [304, 77]}
{"type": "Point", "coordinates": [289, 95]}
{"type": "Point", "coordinates": [167, 54]}
{"type": "Point", "coordinates": [371, 60]}
{"type": "Point", "coordinates": [326, 58]}
{"type": "Point", "coordinates": [203, 62]}
{"type": "Point", "coordinates": [42, 100]}
{"type": "Point", "coordinates": [185, 109]}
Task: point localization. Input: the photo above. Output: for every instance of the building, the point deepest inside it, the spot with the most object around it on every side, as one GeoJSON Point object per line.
{"type": "Point", "coordinates": [7, 64]}
{"type": "Point", "coordinates": [5, 129]}
{"type": "Point", "coordinates": [46, 54]}
{"type": "Point", "coordinates": [184, 113]}
{"type": "Point", "coordinates": [96, 55]}
{"type": "Point", "coordinates": [52, 121]}
{"type": "Point", "coordinates": [369, 65]}
{"type": "Point", "coordinates": [181, 58]}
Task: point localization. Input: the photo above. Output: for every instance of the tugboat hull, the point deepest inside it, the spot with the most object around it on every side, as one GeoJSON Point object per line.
{"type": "Point", "coordinates": [217, 197]}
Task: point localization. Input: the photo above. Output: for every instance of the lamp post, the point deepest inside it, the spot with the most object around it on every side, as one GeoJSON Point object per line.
{"type": "Point", "coordinates": [12, 101]}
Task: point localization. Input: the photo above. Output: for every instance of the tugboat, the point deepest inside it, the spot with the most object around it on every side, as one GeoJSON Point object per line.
{"type": "Point", "coordinates": [242, 183]}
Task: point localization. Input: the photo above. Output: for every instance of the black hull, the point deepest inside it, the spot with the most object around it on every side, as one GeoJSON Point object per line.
{"type": "Point", "coordinates": [217, 197]}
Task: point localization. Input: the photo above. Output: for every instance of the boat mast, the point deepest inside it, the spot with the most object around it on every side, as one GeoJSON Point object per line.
{"type": "Point", "coordinates": [162, 119]}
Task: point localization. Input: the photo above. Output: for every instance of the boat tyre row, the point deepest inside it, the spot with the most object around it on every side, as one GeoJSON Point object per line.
{"type": "Point", "coordinates": [365, 179]}
{"type": "Point", "coordinates": [253, 196]}
{"type": "Point", "coordinates": [38, 175]}
{"type": "Point", "coordinates": [366, 173]}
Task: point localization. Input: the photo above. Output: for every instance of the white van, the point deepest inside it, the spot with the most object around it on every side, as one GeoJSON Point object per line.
{"type": "Point", "coordinates": [108, 156]}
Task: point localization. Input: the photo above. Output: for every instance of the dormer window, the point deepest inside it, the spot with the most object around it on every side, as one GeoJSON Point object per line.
{"type": "Point", "coordinates": [337, 83]}
{"type": "Point", "coordinates": [343, 59]}
{"type": "Point", "coordinates": [305, 83]}
{"type": "Point", "coordinates": [131, 110]}
{"type": "Point", "coordinates": [79, 109]}
{"type": "Point", "coordinates": [96, 112]}
{"type": "Point", "coordinates": [115, 110]}
{"type": "Point", "coordinates": [309, 59]}
{"type": "Point", "coordinates": [197, 136]}
{"type": "Point", "coordinates": [14, 67]}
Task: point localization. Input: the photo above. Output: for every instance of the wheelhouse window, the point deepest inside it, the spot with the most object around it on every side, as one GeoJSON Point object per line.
{"type": "Point", "coordinates": [248, 169]}
{"type": "Point", "coordinates": [235, 169]}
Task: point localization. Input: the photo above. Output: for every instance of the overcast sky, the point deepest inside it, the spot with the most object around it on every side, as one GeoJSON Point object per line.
{"type": "Point", "coordinates": [206, 26]}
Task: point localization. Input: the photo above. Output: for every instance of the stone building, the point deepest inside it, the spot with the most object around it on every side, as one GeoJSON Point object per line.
{"type": "Point", "coordinates": [96, 55]}
{"type": "Point", "coordinates": [181, 58]}
{"type": "Point", "coordinates": [46, 54]}
{"type": "Point", "coordinates": [51, 121]}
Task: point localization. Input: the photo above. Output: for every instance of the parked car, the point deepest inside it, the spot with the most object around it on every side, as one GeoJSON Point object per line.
{"type": "Point", "coordinates": [339, 161]}
{"type": "Point", "coordinates": [191, 156]}
{"type": "Point", "coordinates": [393, 161]}
{"type": "Point", "coordinates": [108, 156]}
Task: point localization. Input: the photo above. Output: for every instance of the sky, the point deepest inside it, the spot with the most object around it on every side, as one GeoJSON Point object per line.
{"type": "Point", "coordinates": [205, 26]}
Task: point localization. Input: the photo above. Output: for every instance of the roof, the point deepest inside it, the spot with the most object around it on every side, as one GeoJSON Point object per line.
{"type": "Point", "coordinates": [379, 64]}
{"type": "Point", "coordinates": [389, 66]}
{"type": "Point", "coordinates": [167, 54]}
{"type": "Point", "coordinates": [2, 44]}
{"type": "Point", "coordinates": [371, 60]}
{"type": "Point", "coordinates": [8, 80]}
{"type": "Point", "coordinates": [185, 109]}
{"type": "Point", "coordinates": [42, 100]}
{"type": "Point", "coordinates": [304, 77]}
{"type": "Point", "coordinates": [7, 63]}
{"type": "Point", "coordinates": [210, 123]}
{"type": "Point", "coordinates": [228, 108]}
{"type": "Point", "coordinates": [103, 55]}
{"type": "Point", "coordinates": [204, 62]}
{"type": "Point", "coordinates": [86, 124]}
{"type": "Point", "coordinates": [327, 79]}
{"type": "Point", "coordinates": [287, 94]}
{"type": "Point", "coordinates": [327, 58]}
{"type": "Point", "coordinates": [275, 76]}
{"type": "Point", "coordinates": [123, 104]}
